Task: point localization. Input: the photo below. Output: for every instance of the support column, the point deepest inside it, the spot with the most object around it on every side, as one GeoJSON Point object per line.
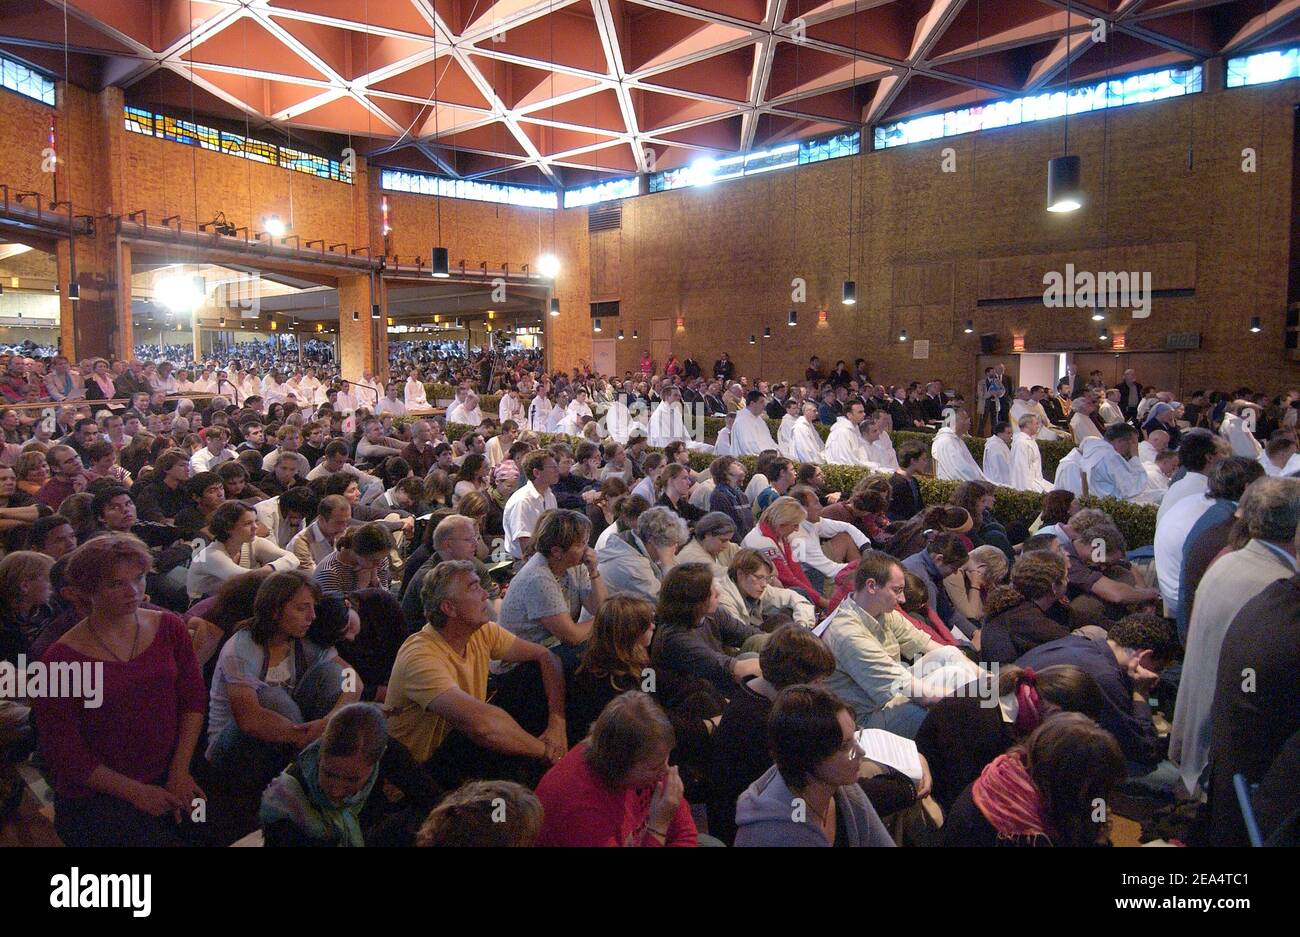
{"type": "Point", "coordinates": [124, 338]}
{"type": "Point", "coordinates": [363, 342]}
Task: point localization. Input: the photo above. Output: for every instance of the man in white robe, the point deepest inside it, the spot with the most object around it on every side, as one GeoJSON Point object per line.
{"type": "Point", "coordinates": [845, 445]}
{"type": "Point", "coordinates": [1026, 460]}
{"type": "Point", "coordinates": [786, 429]}
{"type": "Point", "coordinates": [557, 412]}
{"type": "Point", "coordinates": [1113, 468]}
{"type": "Point", "coordinates": [952, 458]}
{"type": "Point", "coordinates": [1237, 427]}
{"type": "Point", "coordinates": [1081, 425]}
{"type": "Point", "coordinates": [539, 412]}
{"type": "Point", "coordinates": [723, 445]}
{"type": "Point", "coordinates": [1109, 410]}
{"type": "Point", "coordinates": [1157, 441]}
{"type": "Point", "coordinates": [1032, 402]}
{"type": "Point", "coordinates": [997, 455]}
{"type": "Point", "coordinates": [1280, 457]}
{"type": "Point", "coordinates": [880, 448]}
{"type": "Point", "coordinates": [580, 409]}
{"type": "Point", "coordinates": [469, 413]}
{"type": "Point", "coordinates": [750, 435]}
{"type": "Point", "coordinates": [510, 407]}
{"type": "Point", "coordinates": [805, 442]}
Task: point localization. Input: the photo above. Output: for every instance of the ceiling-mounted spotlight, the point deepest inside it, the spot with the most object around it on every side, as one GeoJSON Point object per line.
{"type": "Point", "coordinates": [767, 331]}
{"type": "Point", "coordinates": [902, 336]}
{"type": "Point", "coordinates": [595, 325]}
{"type": "Point", "coordinates": [548, 265]}
{"type": "Point", "coordinates": [970, 326]}
{"type": "Point", "coordinates": [1098, 314]}
{"type": "Point", "coordinates": [440, 263]}
{"type": "Point", "coordinates": [1104, 336]}
{"type": "Point", "coordinates": [849, 293]}
{"type": "Point", "coordinates": [1064, 190]}
{"type": "Point", "coordinates": [793, 319]}
{"type": "Point", "coordinates": [620, 335]}
{"type": "Point", "coordinates": [555, 306]}
{"type": "Point", "coordinates": [273, 226]}
{"type": "Point", "coordinates": [752, 340]}
{"type": "Point", "coordinates": [1255, 324]}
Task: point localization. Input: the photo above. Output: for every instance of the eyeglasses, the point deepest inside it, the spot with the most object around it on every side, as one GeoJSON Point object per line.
{"type": "Point", "coordinates": [852, 749]}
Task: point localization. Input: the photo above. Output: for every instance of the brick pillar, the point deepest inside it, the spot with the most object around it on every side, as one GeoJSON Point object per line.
{"type": "Point", "coordinates": [363, 342]}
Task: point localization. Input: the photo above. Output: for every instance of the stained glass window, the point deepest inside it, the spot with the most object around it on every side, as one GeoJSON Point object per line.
{"type": "Point", "coordinates": [1115, 92]}
{"type": "Point", "coordinates": [23, 80]}
{"type": "Point", "coordinates": [1263, 67]}
{"type": "Point", "coordinates": [420, 183]}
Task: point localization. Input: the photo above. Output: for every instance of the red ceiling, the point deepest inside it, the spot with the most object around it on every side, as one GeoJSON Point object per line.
{"type": "Point", "coordinates": [568, 91]}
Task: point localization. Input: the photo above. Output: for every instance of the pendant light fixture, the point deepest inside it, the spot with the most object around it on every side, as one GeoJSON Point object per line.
{"type": "Point", "coordinates": [595, 325]}
{"type": "Point", "coordinates": [849, 288]}
{"type": "Point", "coordinates": [1064, 188]}
{"type": "Point", "coordinates": [440, 263]}
{"type": "Point", "coordinates": [1104, 336]}
{"type": "Point", "coordinates": [439, 259]}
{"type": "Point", "coordinates": [1255, 324]}
{"type": "Point", "coordinates": [902, 336]}
{"type": "Point", "coordinates": [970, 326]}
{"type": "Point", "coordinates": [793, 320]}
{"type": "Point", "coordinates": [767, 331]}
{"type": "Point", "coordinates": [620, 335]}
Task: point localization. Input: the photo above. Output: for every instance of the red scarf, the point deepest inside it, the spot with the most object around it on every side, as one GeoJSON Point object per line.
{"type": "Point", "coordinates": [1008, 799]}
{"type": "Point", "coordinates": [788, 569]}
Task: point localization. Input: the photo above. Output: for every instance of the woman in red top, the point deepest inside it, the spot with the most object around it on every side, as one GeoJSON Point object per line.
{"type": "Point", "coordinates": [916, 609]}
{"type": "Point", "coordinates": [615, 788]}
{"type": "Point", "coordinates": [772, 538]}
{"type": "Point", "coordinates": [647, 364]}
{"type": "Point", "coordinates": [120, 745]}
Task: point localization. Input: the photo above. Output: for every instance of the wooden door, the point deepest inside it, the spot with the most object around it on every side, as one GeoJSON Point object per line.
{"type": "Point", "coordinates": [661, 332]}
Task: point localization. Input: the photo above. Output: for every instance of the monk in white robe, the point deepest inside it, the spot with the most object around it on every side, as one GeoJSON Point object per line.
{"type": "Point", "coordinates": [952, 458]}
{"type": "Point", "coordinates": [1026, 461]}
{"type": "Point", "coordinates": [997, 458]}
{"type": "Point", "coordinates": [750, 435]}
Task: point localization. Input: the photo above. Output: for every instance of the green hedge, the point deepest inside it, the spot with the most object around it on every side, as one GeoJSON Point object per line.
{"type": "Point", "coordinates": [1137, 522]}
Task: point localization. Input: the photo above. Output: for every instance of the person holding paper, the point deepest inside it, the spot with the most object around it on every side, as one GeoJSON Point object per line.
{"type": "Point", "coordinates": [814, 744]}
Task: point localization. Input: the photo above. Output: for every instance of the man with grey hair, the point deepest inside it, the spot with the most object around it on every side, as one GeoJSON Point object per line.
{"type": "Point", "coordinates": [1270, 512]}
{"type": "Point", "coordinates": [634, 562]}
{"type": "Point", "coordinates": [455, 538]}
{"type": "Point", "coordinates": [437, 693]}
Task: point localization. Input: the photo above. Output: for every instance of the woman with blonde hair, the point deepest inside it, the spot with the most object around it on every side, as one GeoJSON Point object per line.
{"type": "Point", "coordinates": [773, 538]}
{"type": "Point", "coordinates": [751, 593]}
{"type": "Point", "coordinates": [969, 586]}
{"type": "Point", "coordinates": [32, 469]}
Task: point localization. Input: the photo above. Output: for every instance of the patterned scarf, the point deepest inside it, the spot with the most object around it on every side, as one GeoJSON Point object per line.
{"type": "Point", "coordinates": [296, 796]}
{"type": "Point", "coordinates": [1008, 799]}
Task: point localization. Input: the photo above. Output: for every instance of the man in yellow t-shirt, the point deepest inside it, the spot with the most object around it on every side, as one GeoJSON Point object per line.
{"type": "Point", "coordinates": [439, 684]}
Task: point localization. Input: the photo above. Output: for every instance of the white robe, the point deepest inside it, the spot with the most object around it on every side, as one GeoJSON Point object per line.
{"type": "Point", "coordinates": [1110, 475]}
{"type": "Point", "coordinates": [667, 424]}
{"type": "Point", "coordinates": [952, 458]}
{"type": "Point", "coordinates": [750, 434]}
{"type": "Point", "coordinates": [390, 405]}
{"type": "Point", "coordinates": [1026, 465]}
{"type": "Point", "coordinates": [845, 446]}
{"type": "Point", "coordinates": [722, 445]}
{"type": "Point", "coordinates": [414, 395]}
{"type": "Point", "coordinates": [580, 412]}
{"type": "Point", "coordinates": [510, 408]}
{"type": "Point", "coordinates": [1243, 441]}
{"type": "Point", "coordinates": [1082, 427]}
{"type": "Point", "coordinates": [539, 412]}
{"type": "Point", "coordinates": [997, 461]}
{"type": "Point", "coordinates": [553, 418]}
{"type": "Point", "coordinates": [881, 452]}
{"type": "Point", "coordinates": [805, 443]}
{"type": "Point", "coordinates": [468, 417]}
{"type": "Point", "coordinates": [1069, 473]}
{"type": "Point", "coordinates": [783, 434]}
{"type": "Point", "coordinates": [618, 422]}
{"type": "Point", "coordinates": [1292, 465]}
{"type": "Point", "coordinates": [1020, 408]}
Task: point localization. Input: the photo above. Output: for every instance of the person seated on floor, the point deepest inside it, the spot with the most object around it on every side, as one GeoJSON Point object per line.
{"type": "Point", "coordinates": [1126, 662]}
{"type": "Point", "coordinates": [616, 788]}
{"type": "Point", "coordinates": [617, 659]}
{"type": "Point", "coordinates": [739, 749]}
{"type": "Point", "coordinates": [1043, 792]}
{"type": "Point", "coordinates": [484, 813]}
{"type": "Point", "coordinates": [371, 638]}
{"type": "Point", "coordinates": [274, 688]}
{"type": "Point", "coordinates": [712, 543]}
{"type": "Point", "coordinates": [1019, 615]}
{"type": "Point", "coordinates": [810, 796]}
{"type": "Point", "coordinates": [316, 541]}
{"type": "Point", "coordinates": [454, 537]}
{"type": "Point", "coordinates": [235, 549]}
{"type": "Point", "coordinates": [943, 556]}
{"type": "Point", "coordinates": [436, 703]}
{"type": "Point", "coordinates": [333, 792]}
{"type": "Point", "coordinates": [634, 561]}
{"type": "Point", "coordinates": [121, 770]}
{"type": "Point", "coordinates": [1101, 590]}
{"type": "Point", "coordinates": [361, 560]}
{"type": "Point", "coordinates": [869, 639]}
{"type": "Point", "coordinates": [915, 607]}
{"type": "Point", "coordinates": [206, 494]}
{"type": "Point", "coordinates": [750, 592]}
{"type": "Point", "coordinates": [774, 537]}
{"type": "Point", "coordinates": [693, 639]}
{"type": "Point", "coordinates": [962, 734]}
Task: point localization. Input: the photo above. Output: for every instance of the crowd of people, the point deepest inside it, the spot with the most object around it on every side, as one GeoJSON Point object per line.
{"type": "Point", "coordinates": [332, 613]}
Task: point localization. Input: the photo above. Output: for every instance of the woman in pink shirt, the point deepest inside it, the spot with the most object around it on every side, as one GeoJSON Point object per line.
{"type": "Point", "coordinates": [615, 788]}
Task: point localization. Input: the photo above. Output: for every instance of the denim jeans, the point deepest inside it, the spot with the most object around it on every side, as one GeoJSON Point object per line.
{"type": "Point", "coordinates": [904, 719]}
{"type": "Point", "coordinates": [255, 762]}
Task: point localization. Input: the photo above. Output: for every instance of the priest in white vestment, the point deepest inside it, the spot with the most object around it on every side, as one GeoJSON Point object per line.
{"type": "Point", "coordinates": [952, 458]}
{"type": "Point", "coordinates": [1026, 459]}
{"type": "Point", "coordinates": [997, 456]}
{"type": "Point", "coordinates": [805, 442]}
{"type": "Point", "coordinates": [751, 435]}
{"type": "Point", "coordinates": [845, 445]}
